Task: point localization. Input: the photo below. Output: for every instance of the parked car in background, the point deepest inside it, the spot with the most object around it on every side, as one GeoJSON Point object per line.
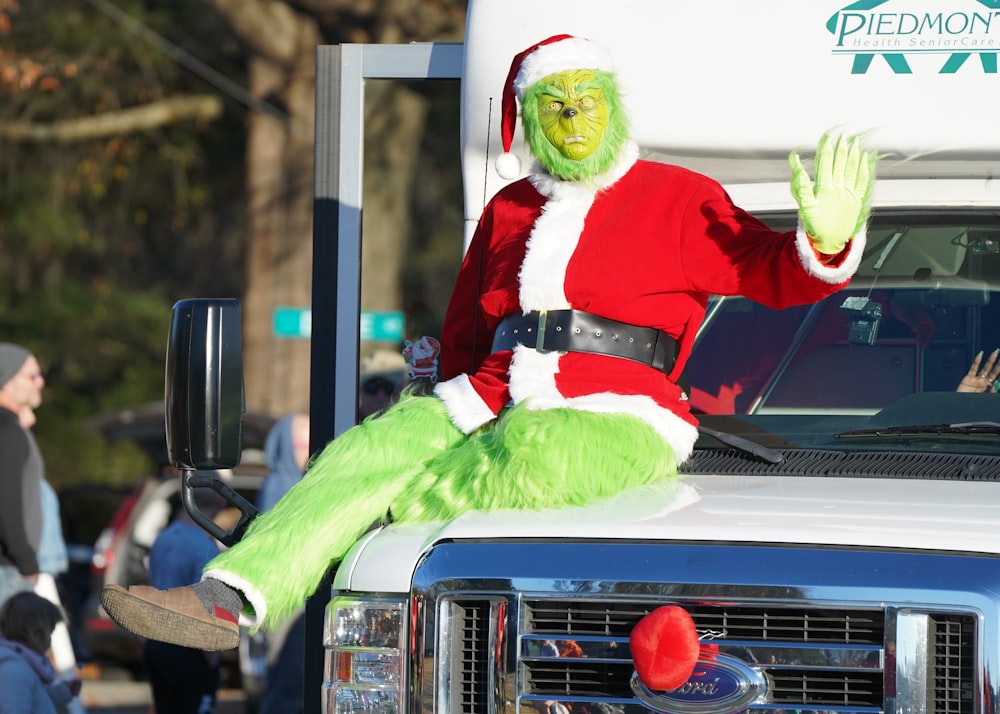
{"type": "Point", "coordinates": [84, 509]}
{"type": "Point", "coordinates": [120, 553]}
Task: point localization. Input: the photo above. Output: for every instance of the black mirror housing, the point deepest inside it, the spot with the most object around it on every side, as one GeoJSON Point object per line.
{"type": "Point", "coordinates": [204, 384]}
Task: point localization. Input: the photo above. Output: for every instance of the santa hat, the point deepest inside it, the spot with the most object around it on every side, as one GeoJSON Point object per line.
{"type": "Point", "coordinates": [558, 53]}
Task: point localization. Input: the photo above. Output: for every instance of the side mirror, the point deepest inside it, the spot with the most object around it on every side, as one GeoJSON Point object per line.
{"type": "Point", "coordinates": [205, 404]}
{"type": "Point", "coordinates": [204, 384]}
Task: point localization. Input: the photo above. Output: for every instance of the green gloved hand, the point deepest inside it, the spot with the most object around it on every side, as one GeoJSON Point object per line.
{"type": "Point", "coordinates": [837, 206]}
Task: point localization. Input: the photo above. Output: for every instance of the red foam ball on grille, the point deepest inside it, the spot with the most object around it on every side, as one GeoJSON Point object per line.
{"type": "Point", "coordinates": [665, 647]}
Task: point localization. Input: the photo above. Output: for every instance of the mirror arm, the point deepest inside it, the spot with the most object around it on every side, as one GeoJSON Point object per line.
{"type": "Point", "coordinates": [194, 480]}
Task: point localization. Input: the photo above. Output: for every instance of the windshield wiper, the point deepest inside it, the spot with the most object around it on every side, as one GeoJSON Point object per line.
{"type": "Point", "coordinates": [972, 428]}
{"type": "Point", "coordinates": [752, 448]}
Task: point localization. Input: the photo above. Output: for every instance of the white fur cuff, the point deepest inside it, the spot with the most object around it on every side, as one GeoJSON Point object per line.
{"type": "Point", "coordinates": [826, 273]}
{"type": "Point", "coordinates": [466, 408]}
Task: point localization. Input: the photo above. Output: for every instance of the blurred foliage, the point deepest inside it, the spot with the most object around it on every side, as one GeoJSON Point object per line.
{"type": "Point", "coordinates": [98, 238]}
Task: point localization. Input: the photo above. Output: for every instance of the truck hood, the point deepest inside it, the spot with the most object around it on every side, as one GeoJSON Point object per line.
{"type": "Point", "coordinates": [870, 513]}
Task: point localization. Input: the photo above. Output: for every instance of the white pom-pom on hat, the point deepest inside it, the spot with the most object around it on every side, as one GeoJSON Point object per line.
{"type": "Point", "coordinates": [508, 166]}
{"type": "Point", "coordinates": [554, 54]}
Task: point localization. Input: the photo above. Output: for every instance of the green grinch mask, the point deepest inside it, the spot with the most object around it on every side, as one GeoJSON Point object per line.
{"type": "Point", "coordinates": [572, 112]}
{"type": "Point", "coordinates": [574, 123]}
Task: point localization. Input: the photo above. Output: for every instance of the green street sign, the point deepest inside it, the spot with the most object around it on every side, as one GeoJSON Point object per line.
{"type": "Point", "coordinates": [292, 322]}
{"type": "Point", "coordinates": [382, 326]}
{"type": "Point", "coordinates": [379, 326]}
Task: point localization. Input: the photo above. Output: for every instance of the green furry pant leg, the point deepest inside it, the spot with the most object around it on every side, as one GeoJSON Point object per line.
{"type": "Point", "coordinates": [288, 549]}
{"type": "Point", "coordinates": [531, 460]}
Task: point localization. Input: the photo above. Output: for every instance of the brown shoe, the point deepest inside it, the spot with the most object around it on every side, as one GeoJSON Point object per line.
{"type": "Point", "coordinates": [176, 616]}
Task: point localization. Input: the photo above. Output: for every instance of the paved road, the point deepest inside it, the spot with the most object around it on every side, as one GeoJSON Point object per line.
{"type": "Point", "coordinates": [123, 696]}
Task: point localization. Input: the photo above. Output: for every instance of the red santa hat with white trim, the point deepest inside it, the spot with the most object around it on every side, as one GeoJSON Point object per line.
{"type": "Point", "coordinates": [558, 53]}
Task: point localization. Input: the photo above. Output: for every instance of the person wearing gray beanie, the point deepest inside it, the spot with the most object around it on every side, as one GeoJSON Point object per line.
{"type": "Point", "coordinates": [21, 471]}
{"type": "Point", "coordinates": [32, 549]}
{"type": "Point", "coordinates": [12, 358]}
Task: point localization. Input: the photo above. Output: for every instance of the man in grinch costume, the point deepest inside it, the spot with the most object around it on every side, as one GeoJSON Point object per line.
{"type": "Point", "coordinates": [573, 315]}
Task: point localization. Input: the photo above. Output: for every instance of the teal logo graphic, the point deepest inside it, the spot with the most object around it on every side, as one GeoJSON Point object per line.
{"type": "Point", "coordinates": [870, 29]}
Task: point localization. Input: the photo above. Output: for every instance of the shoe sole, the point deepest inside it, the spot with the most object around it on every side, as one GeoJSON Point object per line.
{"type": "Point", "coordinates": [146, 619]}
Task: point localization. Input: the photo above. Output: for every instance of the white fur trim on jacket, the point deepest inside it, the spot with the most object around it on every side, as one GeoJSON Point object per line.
{"type": "Point", "coordinates": [828, 274]}
{"type": "Point", "coordinates": [533, 382]}
{"type": "Point", "coordinates": [250, 593]}
{"type": "Point", "coordinates": [466, 408]}
{"type": "Point", "coordinates": [552, 243]}
{"type": "Point", "coordinates": [553, 187]}
{"type": "Point", "coordinates": [557, 231]}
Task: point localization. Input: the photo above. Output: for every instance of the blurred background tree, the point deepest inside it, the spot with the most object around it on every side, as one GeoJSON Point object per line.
{"type": "Point", "coordinates": [152, 150]}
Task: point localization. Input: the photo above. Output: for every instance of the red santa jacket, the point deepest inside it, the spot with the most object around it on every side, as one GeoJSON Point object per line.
{"type": "Point", "coordinates": [646, 244]}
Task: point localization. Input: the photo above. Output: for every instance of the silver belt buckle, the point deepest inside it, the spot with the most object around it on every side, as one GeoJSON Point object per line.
{"type": "Point", "coordinates": [540, 337]}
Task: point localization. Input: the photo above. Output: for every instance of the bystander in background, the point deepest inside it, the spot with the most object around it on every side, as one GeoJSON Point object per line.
{"type": "Point", "coordinates": [183, 680]}
{"type": "Point", "coordinates": [286, 450]}
{"type": "Point", "coordinates": [29, 683]}
{"type": "Point", "coordinates": [53, 561]}
{"type": "Point", "coordinates": [382, 376]}
{"type": "Point", "coordinates": [21, 471]}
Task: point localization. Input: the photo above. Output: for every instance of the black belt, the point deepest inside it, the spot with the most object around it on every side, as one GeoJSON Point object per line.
{"type": "Point", "coordinates": [577, 331]}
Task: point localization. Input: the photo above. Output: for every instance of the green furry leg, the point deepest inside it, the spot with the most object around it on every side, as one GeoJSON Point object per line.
{"type": "Point", "coordinates": [413, 461]}
{"type": "Point", "coordinates": [531, 460]}
{"type": "Point", "coordinates": [288, 549]}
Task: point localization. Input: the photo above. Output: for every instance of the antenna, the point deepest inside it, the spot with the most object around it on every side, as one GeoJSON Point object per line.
{"type": "Point", "coordinates": [486, 167]}
{"type": "Point", "coordinates": [479, 266]}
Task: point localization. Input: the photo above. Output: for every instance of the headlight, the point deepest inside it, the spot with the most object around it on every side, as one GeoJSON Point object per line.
{"type": "Point", "coordinates": [365, 641]}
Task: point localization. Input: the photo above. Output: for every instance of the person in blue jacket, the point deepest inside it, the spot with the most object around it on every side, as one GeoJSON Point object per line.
{"type": "Point", "coordinates": [29, 684]}
{"type": "Point", "coordinates": [183, 680]}
{"type": "Point", "coordinates": [286, 450]}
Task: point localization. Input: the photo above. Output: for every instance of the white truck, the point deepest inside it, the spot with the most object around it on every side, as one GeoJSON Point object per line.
{"type": "Point", "coordinates": [836, 534]}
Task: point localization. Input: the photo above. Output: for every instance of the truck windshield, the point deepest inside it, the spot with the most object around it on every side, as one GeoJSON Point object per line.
{"type": "Point", "coordinates": [888, 350]}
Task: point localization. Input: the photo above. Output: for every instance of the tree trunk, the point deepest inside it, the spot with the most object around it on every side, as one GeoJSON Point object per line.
{"type": "Point", "coordinates": [279, 244]}
{"type": "Point", "coordinates": [280, 178]}
{"type": "Point", "coordinates": [394, 118]}
{"type": "Point", "coordinates": [280, 174]}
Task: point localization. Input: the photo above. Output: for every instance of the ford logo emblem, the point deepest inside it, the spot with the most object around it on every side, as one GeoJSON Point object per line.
{"type": "Point", "coordinates": [720, 685]}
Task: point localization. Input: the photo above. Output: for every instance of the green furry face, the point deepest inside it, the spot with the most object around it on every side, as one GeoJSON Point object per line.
{"type": "Point", "coordinates": [574, 123]}
{"type": "Point", "coordinates": [572, 112]}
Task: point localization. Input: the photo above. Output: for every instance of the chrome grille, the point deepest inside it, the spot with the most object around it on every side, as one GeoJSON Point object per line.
{"type": "Point", "coordinates": [571, 617]}
{"type": "Point", "coordinates": [733, 630]}
{"type": "Point", "coordinates": [812, 688]}
{"type": "Point", "coordinates": [818, 650]}
{"type": "Point", "coordinates": [954, 663]}
{"type": "Point", "coordinates": [471, 672]}
{"type": "Point", "coordinates": [569, 678]}
{"type": "Point", "coordinates": [555, 617]}
{"type": "Point", "coordinates": [792, 624]}
{"type": "Point", "coordinates": [855, 681]}
{"type": "Point", "coordinates": [470, 640]}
